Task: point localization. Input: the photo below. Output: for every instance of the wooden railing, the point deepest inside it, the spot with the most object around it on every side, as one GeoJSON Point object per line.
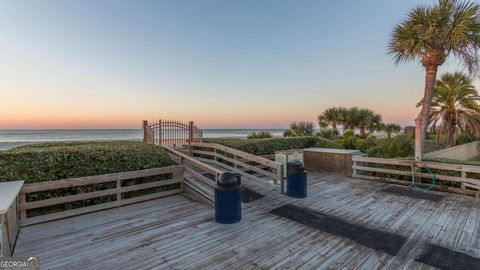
{"type": "Point", "coordinates": [184, 158]}
{"type": "Point", "coordinates": [248, 165]}
{"type": "Point", "coordinates": [194, 177]}
{"type": "Point", "coordinates": [457, 178]}
{"type": "Point", "coordinates": [120, 188]}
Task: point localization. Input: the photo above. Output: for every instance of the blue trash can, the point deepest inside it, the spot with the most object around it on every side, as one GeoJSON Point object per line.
{"type": "Point", "coordinates": [228, 205]}
{"type": "Point", "coordinates": [296, 180]}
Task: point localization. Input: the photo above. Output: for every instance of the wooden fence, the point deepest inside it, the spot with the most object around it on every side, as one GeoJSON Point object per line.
{"type": "Point", "coordinates": [121, 188]}
{"type": "Point", "coordinates": [248, 165]}
{"type": "Point", "coordinates": [201, 186]}
{"type": "Point", "coordinates": [457, 178]}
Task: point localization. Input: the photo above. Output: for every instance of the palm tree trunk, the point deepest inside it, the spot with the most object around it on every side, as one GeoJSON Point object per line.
{"type": "Point", "coordinates": [334, 127]}
{"type": "Point", "coordinates": [362, 131]}
{"type": "Point", "coordinates": [430, 78]}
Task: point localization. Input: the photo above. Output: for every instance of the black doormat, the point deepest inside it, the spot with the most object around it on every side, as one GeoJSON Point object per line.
{"type": "Point", "coordinates": [445, 258]}
{"type": "Point", "coordinates": [413, 193]}
{"type": "Point", "coordinates": [374, 238]}
{"type": "Point", "coordinates": [249, 195]}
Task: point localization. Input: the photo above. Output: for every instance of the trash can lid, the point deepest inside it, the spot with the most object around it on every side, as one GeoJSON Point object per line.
{"type": "Point", "coordinates": [295, 166]}
{"type": "Point", "coordinates": [228, 180]}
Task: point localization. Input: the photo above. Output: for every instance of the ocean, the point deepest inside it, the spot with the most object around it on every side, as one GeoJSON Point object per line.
{"type": "Point", "coordinates": [13, 138]}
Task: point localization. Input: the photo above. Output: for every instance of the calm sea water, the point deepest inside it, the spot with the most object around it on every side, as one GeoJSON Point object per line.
{"type": "Point", "coordinates": [14, 138]}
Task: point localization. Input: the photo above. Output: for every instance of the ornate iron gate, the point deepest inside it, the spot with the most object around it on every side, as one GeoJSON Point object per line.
{"type": "Point", "coordinates": [171, 133]}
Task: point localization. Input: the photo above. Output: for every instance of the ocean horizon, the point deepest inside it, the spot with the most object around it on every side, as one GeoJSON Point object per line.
{"type": "Point", "coordinates": [14, 138]}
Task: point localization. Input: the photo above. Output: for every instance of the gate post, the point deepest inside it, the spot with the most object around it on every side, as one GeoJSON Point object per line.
{"type": "Point", "coordinates": [144, 130]}
{"type": "Point", "coordinates": [190, 137]}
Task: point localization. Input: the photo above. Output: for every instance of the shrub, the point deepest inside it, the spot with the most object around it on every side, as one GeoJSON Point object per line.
{"type": "Point", "coordinates": [260, 135]}
{"type": "Point", "coordinates": [45, 162]}
{"type": "Point", "coordinates": [409, 130]}
{"type": "Point", "coordinates": [270, 146]}
{"type": "Point", "coordinates": [328, 133]}
{"type": "Point", "coordinates": [299, 129]}
{"type": "Point", "coordinates": [348, 133]}
{"type": "Point", "coordinates": [398, 146]}
{"type": "Point", "coordinates": [390, 129]}
{"type": "Point", "coordinates": [358, 143]}
{"type": "Point", "coordinates": [348, 142]}
{"type": "Point", "coordinates": [464, 138]}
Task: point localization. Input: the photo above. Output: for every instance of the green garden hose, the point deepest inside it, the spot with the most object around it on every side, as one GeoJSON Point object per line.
{"type": "Point", "coordinates": [414, 179]}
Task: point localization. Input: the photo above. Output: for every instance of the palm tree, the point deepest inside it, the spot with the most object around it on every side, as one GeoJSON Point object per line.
{"type": "Point", "coordinates": [409, 130]}
{"type": "Point", "coordinates": [390, 128]}
{"type": "Point", "coordinates": [352, 118]}
{"type": "Point", "coordinates": [432, 33]}
{"type": "Point", "coordinates": [334, 117]}
{"type": "Point", "coordinates": [375, 123]}
{"type": "Point", "coordinates": [363, 119]}
{"type": "Point", "coordinates": [368, 120]}
{"type": "Point", "coordinates": [454, 107]}
{"type": "Point", "coordinates": [299, 129]}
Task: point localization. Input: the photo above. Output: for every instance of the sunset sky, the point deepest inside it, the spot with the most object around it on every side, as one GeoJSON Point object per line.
{"type": "Point", "coordinates": [222, 64]}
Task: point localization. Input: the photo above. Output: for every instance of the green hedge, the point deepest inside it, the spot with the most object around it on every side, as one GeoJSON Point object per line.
{"type": "Point", "coordinates": [45, 162]}
{"type": "Point", "coordinates": [53, 161]}
{"type": "Point", "coordinates": [269, 146]}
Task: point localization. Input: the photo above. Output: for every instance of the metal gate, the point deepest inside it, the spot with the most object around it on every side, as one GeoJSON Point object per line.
{"type": "Point", "coordinates": [171, 133]}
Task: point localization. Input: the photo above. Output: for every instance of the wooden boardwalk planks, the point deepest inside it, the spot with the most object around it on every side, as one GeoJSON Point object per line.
{"type": "Point", "coordinates": [178, 233]}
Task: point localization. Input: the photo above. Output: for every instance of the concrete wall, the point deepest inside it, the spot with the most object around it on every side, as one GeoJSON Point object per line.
{"type": "Point", "coordinates": [461, 152]}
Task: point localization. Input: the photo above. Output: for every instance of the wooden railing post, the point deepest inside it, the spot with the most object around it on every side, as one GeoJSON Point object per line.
{"type": "Point", "coordinates": [179, 174]}
{"type": "Point", "coordinates": [354, 167]}
{"type": "Point", "coordinates": [418, 140]}
{"type": "Point", "coordinates": [23, 213]}
{"type": "Point", "coordinates": [464, 176]}
{"type": "Point", "coordinates": [119, 190]}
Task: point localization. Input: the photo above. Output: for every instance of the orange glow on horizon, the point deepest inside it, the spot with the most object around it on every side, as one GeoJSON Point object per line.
{"type": "Point", "coordinates": [270, 119]}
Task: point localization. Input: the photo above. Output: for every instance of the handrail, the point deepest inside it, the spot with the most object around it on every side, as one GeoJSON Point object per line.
{"type": "Point", "coordinates": [183, 157]}
{"type": "Point", "coordinates": [174, 180]}
{"type": "Point", "coordinates": [240, 161]}
{"type": "Point", "coordinates": [238, 153]}
{"type": "Point", "coordinates": [370, 168]}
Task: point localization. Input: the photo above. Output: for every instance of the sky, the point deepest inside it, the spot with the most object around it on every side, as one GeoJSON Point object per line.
{"type": "Point", "coordinates": [221, 64]}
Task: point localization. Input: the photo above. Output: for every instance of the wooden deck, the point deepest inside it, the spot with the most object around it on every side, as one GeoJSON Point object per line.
{"type": "Point", "coordinates": [177, 233]}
